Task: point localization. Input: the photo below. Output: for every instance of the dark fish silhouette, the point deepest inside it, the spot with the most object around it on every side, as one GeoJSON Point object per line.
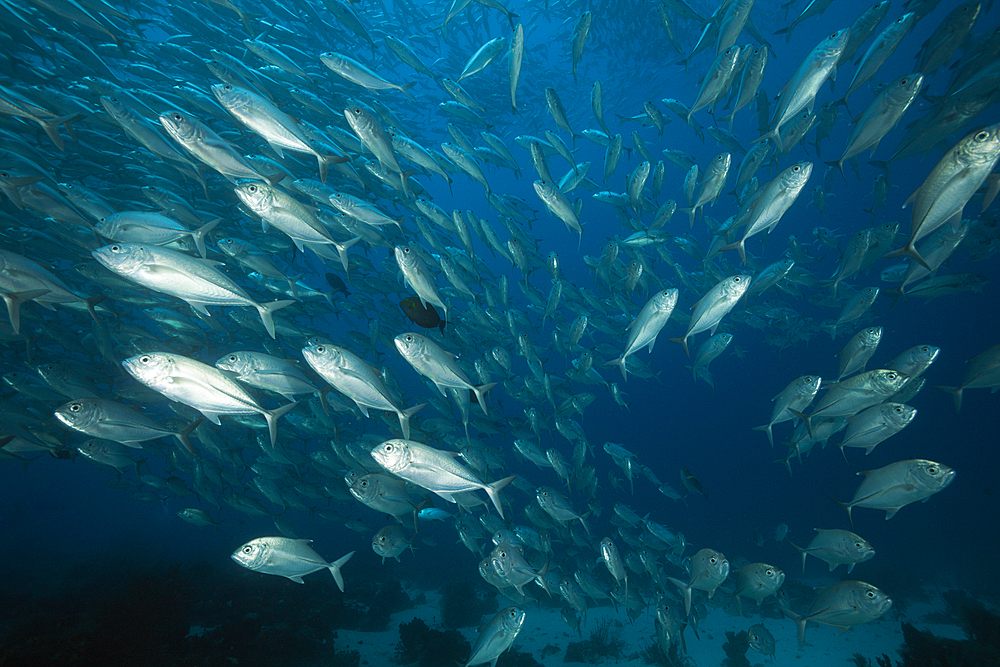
{"type": "Point", "coordinates": [336, 283]}
{"type": "Point", "coordinates": [424, 315]}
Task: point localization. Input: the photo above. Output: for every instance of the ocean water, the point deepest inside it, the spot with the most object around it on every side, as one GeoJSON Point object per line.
{"type": "Point", "coordinates": [75, 532]}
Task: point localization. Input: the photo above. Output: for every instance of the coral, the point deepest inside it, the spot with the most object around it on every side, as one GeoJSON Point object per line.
{"type": "Point", "coordinates": [420, 645]}
{"type": "Point", "coordinates": [736, 649]}
{"type": "Point", "coordinates": [464, 603]}
{"type": "Point", "coordinates": [923, 649]}
{"type": "Point", "coordinates": [605, 641]}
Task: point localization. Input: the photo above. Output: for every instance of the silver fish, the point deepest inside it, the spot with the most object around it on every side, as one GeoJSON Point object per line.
{"type": "Point", "coordinates": [287, 558]}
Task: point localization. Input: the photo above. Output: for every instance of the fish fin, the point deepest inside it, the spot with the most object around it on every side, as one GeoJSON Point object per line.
{"type": "Point", "coordinates": [14, 301]}
{"type": "Point", "coordinates": [766, 428]}
{"type": "Point", "coordinates": [266, 310]}
{"type": "Point", "coordinates": [182, 436]}
{"type": "Point", "coordinates": [481, 394]}
{"type": "Point", "coordinates": [493, 491]}
{"type": "Point", "coordinates": [335, 570]}
{"type": "Point", "coordinates": [199, 236]}
{"type": "Point", "coordinates": [686, 590]}
{"type": "Point", "coordinates": [956, 392]}
{"type": "Point", "coordinates": [297, 579]}
{"type": "Point", "coordinates": [846, 506]}
{"type": "Point", "coordinates": [404, 418]}
{"type": "Point", "coordinates": [683, 341]}
{"type": "Point", "coordinates": [272, 417]}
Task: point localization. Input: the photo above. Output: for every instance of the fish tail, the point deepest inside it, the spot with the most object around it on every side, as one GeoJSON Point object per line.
{"type": "Point", "coordinates": [182, 436]}
{"type": "Point", "coordinates": [956, 393]}
{"type": "Point", "coordinates": [738, 246]}
{"type": "Point", "coordinates": [684, 342]}
{"type": "Point", "coordinates": [324, 161]}
{"type": "Point", "coordinates": [766, 428]}
{"type": "Point", "coordinates": [404, 418]}
{"type": "Point", "coordinates": [686, 590]}
{"type": "Point", "coordinates": [540, 578]}
{"type": "Point", "coordinates": [14, 301]}
{"type": "Point", "coordinates": [335, 570]}
{"type": "Point", "coordinates": [481, 394]}
{"type": "Point", "coordinates": [804, 417]}
{"type": "Point", "coordinates": [405, 89]}
{"type": "Point", "coordinates": [272, 417]}
{"type": "Point", "coordinates": [51, 127]}
{"type": "Point", "coordinates": [846, 506]}
{"type": "Point", "coordinates": [620, 363]}
{"type": "Point", "coordinates": [199, 235]}
{"type": "Point", "coordinates": [801, 551]}
{"type": "Point", "coordinates": [266, 311]}
{"type": "Point", "coordinates": [800, 623]}
{"type": "Point", "coordinates": [493, 491]}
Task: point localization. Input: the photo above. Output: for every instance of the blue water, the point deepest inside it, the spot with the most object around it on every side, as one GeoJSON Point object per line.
{"type": "Point", "coordinates": [59, 514]}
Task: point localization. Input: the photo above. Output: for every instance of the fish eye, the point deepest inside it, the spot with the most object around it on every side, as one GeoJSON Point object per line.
{"type": "Point", "coordinates": [769, 572]}
{"type": "Point", "coordinates": [891, 376]}
{"type": "Point", "coordinates": [252, 188]}
{"type": "Point", "coordinates": [76, 407]}
{"type": "Point", "coordinates": [321, 349]}
{"type": "Point", "coordinates": [932, 470]}
{"type": "Point", "coordinates": [982, 136]}
{"type": "Point", "coordinates": [858, 545]}
{"type": "Point", "coordinates": [870, 594]}
{"type": "Point", "coordinates": [176, 116]}
{"type": "Point", "coordinates": [247, 549]}
{"type": "Point", "coordinates": [503, 554]}
{"type": "Point", "coordinates": [904, 81]}
{"type": "Point", "coordinates": [737, 279]}
{"type": "Point", "coordinates": [232, 357]}
{"type": "Point", "coordinates": [145, 359]}
{"type": "Point", "coordinates": [796, 168]}
{"type": "Point", "coordinates": [363, 483]}
{"type": "Point", "coordinates": [713, 560]}
{"type": "Point", "coordinates": [409, 339]}
{"type": "Point", "coordinates": [115, 248]}
{"type": "Point", "coordinates": [227, 87]}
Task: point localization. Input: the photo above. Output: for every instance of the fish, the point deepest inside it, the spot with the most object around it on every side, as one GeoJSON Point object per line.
{"type": "Point", "coordinates": [289, 558]}
{"type": "Point", "coordinates": [837, 547]}
{"type": "Point", "coordinates": [801, 89]}
{"type": "Point", "coordinates": [200, 386]}
{"type": "Point", "coordinates": [496, 636]}
{"type": "Point", "coordinates": [434, 470]}
{"type": "Point", "coordinates": [870, 427]}
{"type": "Point", "coordinates": [264, 371]}
{"type": "Point", "coordinates": [110, 420]}
{"type": "Point", "coordinates": [437, 365]}
{"type": "Point", "coordinates": [708, 312]}
{"type": "Point", "coordinates": [950, 185]}
{"type": "Point", "coordinates": [983, 372]}
{"type": "Point", "coordinates": [709, 569]}
{"type": "Point", "coordinates": [647, 325]}
{"type": "Point", "coordinates": [758, 581]}
{"type": "Point", "coordinates": [421, 314]}
{"type": "Point", "coordinates": [509, 564]}
{"type": "Point", "coordinates": [390, 542]}
{"type": "Point", "coordinates": [842, 605]}
{"type": "Point", "coordinates": [350, 375]}
{"type": "Point", "coordinates": [799, 393]}
{"type": "Point", "coordinates": [195, 281]}
{"type": "Point", "coordinates": [898, 484]}
{"type": "Point", "coordinates": [761, 640]}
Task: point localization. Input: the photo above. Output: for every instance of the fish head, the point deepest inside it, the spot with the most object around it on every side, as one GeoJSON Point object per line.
{"type": "Point", "coordinates": [78, 414]}
{"type": "Point", "coordinates": [984, 145]}
{"type": "Point", "coordinates": [709, 564]}
{"type": "Point", "coordinates": [393, 455]}
{"type": "Point", "coordinates": [360, 119]}
{"type": "Point", "coordinates": [405, 257]}
{"type": "Point", "coordinates": [504, 558]}
{"type": "Point", "coordinates": [180, 126]}
{"type": "Point", "coordinates": [235, 362]}
{"type": "Point", "coordinates": [231, 97]}
{"type": "Point", "coordinates": [795, 177]}
{"type": "Point", "coordinates": [833, 46]}
{"type": "Point", "coordinates": [905, 88]}
{"type": "Point", "coordinates": [512, 620]}
{"type": "Point", "coordinates": [735, 286]}
{"type": "Point", "coordinates": [229, 246]}
{"type": "Point", "coordinates": [256, 195]}
{"type": "Point", "coordinates": [114, 107]}
{"type": "Point", "coordinates": [898, 414]}
{"type": "Point", "coordinates": [253, 555]}
{"type": "Point", "coordinates": [388, 540]}
{"type": "Point", "coordinates": [857, 548]}
{"type": "Point", "coordinates": [122, 258]}
{"type": "Point", "coordinates": [150, 368]}
{"type": "Point", "coordinates": [930, 475]}
{"type": "Point", "coordinates": [411, 345]}
{"type": "Point", "coordinates": [868, 600]}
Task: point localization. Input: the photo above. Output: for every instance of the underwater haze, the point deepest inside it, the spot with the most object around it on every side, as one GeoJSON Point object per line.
{"type": "Point", "coordinates": [575, 308]}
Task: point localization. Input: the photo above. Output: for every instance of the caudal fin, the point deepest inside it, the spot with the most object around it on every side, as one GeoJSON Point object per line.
{"type": "Point", "coordinates": [272, 417]}
{"type": "Point", "coordinates": [14, 301]}
{"type": "Point", "coordinates": [493, 491]}
{"type": "Point", "coordinates": [335, 570]}
{"type": "Point", "coordinates": [266, 311]}
{"type": "Point", "coordinates": [404, 419]}
{"type": "Point", "coordinates": [956, 393]}
{"type": "Point", "coordinates": [481, 394]}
